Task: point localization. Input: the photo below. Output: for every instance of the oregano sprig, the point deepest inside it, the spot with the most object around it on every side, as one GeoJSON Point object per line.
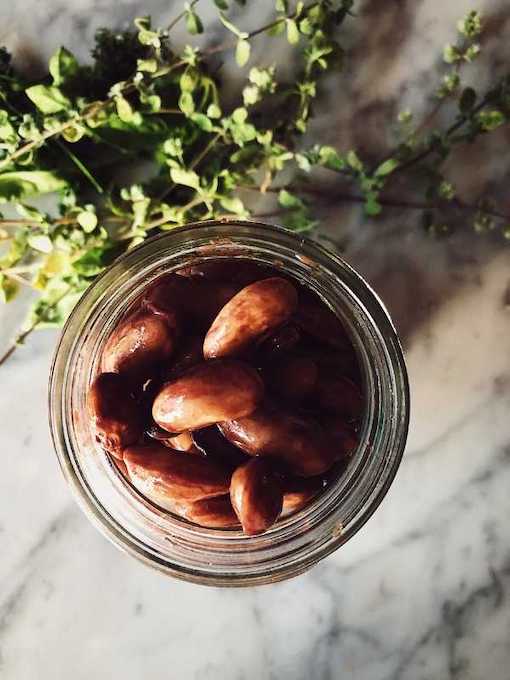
{"type": "Point", "coordinates": [145, 103]}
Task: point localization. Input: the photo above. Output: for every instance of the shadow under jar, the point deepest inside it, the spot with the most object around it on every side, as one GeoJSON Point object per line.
{"type": "Point", "coordinates": [227, 557]}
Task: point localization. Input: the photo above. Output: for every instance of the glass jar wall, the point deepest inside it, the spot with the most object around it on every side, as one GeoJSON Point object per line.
{"type": "Point", "coordinates": [167, 542]}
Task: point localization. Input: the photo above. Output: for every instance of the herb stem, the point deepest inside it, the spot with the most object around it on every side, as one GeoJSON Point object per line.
{"type": "Point", "coordinates": [17, 278]}
{"type": "Point", "coordinates": [21, 337]}
{"type": "Point", "coordinates": [200, 157]}
{"type": "Point", "coordinates": [60, 221]}
{"type": "Point", "coordinates": [180, 16]}
{"type": "Point", "coordinates": [430, 147]}
{"type": "Point", "coordinates": [292, 15]}
{"type": "Point", "coordinates": [229, 44]}
{"type": "Point", "coordinates": [175, 112]}
{"type": "Point", "coordinates": [97, 106]}
{"type": "Point", "coordinates": [81, 166]}
{"type": "Point", "coordinates": [332, 196]}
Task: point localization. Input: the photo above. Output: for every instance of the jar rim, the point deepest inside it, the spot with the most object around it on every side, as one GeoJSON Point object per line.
{"type": "Point", "coordinates": [230, 234]}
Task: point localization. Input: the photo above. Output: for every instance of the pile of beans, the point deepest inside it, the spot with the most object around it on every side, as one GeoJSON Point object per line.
{"type": "Point", "coordinates": [229, 395]}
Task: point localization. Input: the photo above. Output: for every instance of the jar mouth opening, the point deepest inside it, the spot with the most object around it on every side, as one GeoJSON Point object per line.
{"type": "Point", "coordinates": [227, 557]}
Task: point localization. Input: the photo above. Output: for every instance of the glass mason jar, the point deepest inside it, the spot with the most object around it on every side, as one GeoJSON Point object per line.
{"type": "Point", "coordinates": [172, 544]}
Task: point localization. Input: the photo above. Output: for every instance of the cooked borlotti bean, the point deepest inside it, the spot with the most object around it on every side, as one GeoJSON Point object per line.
{"type": "Point", "coordinates": [212, 443]}
{"type": "Point", "coordinates": [114, 413]}
{"type": "Point", "coordinates": [302, 444]}
{"type": "Point", "coordinates": [139, 343]}
{"type": "Point", "coordinates": [199, 301]}
{"type": "Point", "coordinates": [299, 491]}
{"type": "Point", "coordinates": [182, 442]}
{"type": "Point", "coordinates": [255, 310]}
{"type": "Point", "coordinates": [215, 513]}
{"type": "Point", "coordinates": [208, 393]}
{"type": "Point", "coordinates": [316, 319]}
{"type": "Point", "coordinates": [256, 496]}
{"type": "Point", "coordinates": [167, 477]}
{"type": "Point", "coordinates": [230, 395]}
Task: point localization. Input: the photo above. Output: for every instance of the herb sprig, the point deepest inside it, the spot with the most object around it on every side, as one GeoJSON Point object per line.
{"type": "Point", "coordinates": [142, 103]}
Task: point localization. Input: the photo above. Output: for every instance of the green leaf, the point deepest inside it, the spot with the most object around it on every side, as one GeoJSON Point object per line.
{"type": "Point", "coordinates": [186, 103]}
{"type": "Point", "coordinates": [330, 158]}
{"type": "Point", "coordinates": [189, 80]}
{"type": "Point", "coordinates": [282, 6]}
{"type": "Point", "coordinates": [153, 101]}
{"type": "Point", "coordinates": [449, 84]}
{"type": "Point", "coordinates": [239, 115]}
{"type": "Point", "coordinates": [173, 147]}
{"type": "Point", "coordinates": [40, 242]}
{"type": "Point", "coordinates": [56, 263]}
{"type": "Point", "coordinates": [125, 111]}
{"type": "Point", "coordinates": [451, 54]}
{"type": "Point", "coordinates": [276, 29]}
{"type": "Point", "coordinates": [446, 190]}
{"type": "Point", "coordinates": [243, 50]}
{"type": "Point", "coordinates": [387, 167]}
{"type": "Point", "coordinates": [488, 120]}
{"type": "Point", "coordinates": [213, 111]}
{"type": "Point", "coordinates": [251, 95]}
{"type": "Point", "coordinates": [63, 65]}
{"type": "Point", "coordinates": [193, 23]}
{"type": "Point", "coordinates": [91, 263]}
{"type": "Point", "coordinates": [292, 32]}
{"type": "Point", "coordinates": [8, 288]}
{"type": "Point", "coordinates": [233, 205]}
{"type": "Point", "coordinates": [188, 178]}
{"type": "Point", "coordinates": [87, 220]}
{"type": "Point", "coordinates": [221, 4]}
{"type": "Point", "coordinates": [471, 25]}
{"type": "Point", "coordinates": [145, 35]}
{"type": "Point", "coordinates": [405, 116]}
{"type": "Point", "coordinates": [202, 121]}
{"type": "Point", "coordinates": [147, 65]}
{"type": "Point", "coordinates": [299, 221]}
{"type": "Point", "coordinates": [15, 186]}
{"type": "Point", "coordinates": [288, 200]}
{"type": "Point", "coordinates": [354, 161]}
{"type": "Point", "coordinates": [472, 52]}
{"type": "Point", "coordinates": [73, 133]}
{"type": "Point", "coordinates": [303, 162]}
{"type": "Point", "coordinates": [7, 131]}
{"type": "Point", "coordinates": [48, 98]}
{"type": "Point", "coordinates": [233, 29]}
{"type": "Point", "coordinates": [305, 26]}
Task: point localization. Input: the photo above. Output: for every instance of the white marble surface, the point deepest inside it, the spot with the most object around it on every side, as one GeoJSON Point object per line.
{"type": "Point", "coordinates": [422, 591]}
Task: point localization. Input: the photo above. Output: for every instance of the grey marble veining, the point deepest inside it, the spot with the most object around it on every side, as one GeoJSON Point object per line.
{"type": "Point", "coordinates": [422, 592]}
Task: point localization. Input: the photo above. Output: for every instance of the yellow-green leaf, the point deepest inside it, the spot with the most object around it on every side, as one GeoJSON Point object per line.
{"type": "Point", "coordinates": [186, 103]}
{"type": "Point", "coordinates": [147, 65]}
{"type": "Point", "coordinates": [48, 98]}
{"type": "Point", "coordinates": [386, 167]}
{"type": "Point", "coordinates": [8, 288]}
{"type": "Point", "coordinates": [87, 220]}
{"type": "Point", "coordinates": [62, 66]}
{"type": "Point", "coordinates": [292, 32]}
{"type": "Point", "coordinates": [188, 178]}
{"type": "Point", "coordinates": [242, 52]}
{"type": "Point", "coordinates": [15, 186]}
